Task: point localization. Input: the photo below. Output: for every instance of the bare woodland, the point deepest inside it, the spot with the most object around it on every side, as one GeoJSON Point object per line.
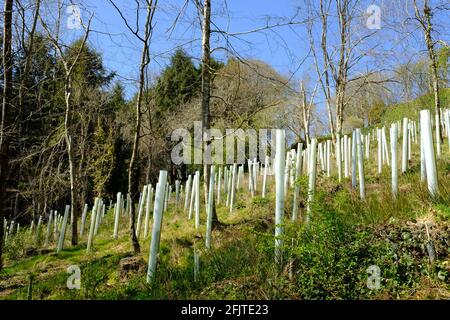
{"type": "Point", "coordinates": [69, 132]}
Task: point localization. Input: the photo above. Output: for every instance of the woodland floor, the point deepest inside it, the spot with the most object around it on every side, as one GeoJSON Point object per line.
{"type": "Point", "coordinates": [408, 239]}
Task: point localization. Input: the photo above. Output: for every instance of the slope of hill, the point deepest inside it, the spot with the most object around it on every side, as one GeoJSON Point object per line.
{"type": "Point", "coordinates": [411, 108]}
{"type": "Point", "coordinates": [336, 256]}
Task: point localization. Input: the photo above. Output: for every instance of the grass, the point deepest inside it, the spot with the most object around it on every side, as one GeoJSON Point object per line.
{"type": "Point", "coordinates": [408, 239]}
{"type": "Point", "coordinates": [412, 108]}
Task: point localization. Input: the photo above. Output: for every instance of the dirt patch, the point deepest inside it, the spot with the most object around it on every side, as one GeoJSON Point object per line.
{"type": "Point", "coordinates": [423, 237]}
{"type": "Point", "coordinates": [131, 266]}
{"type": "Point", "coordinates": [184, 242]}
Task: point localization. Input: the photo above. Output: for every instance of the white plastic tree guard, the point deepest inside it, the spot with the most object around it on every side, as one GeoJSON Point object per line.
{"type": "Point", "coordinates": [312, 177]}
{"type": "Point", "coordinates": [210, 208]}
{"type": "Point", "coordinates": [197, 199]}
{"type": "Point", "coordinates": [233, 187]}
{"type": "Point", "coordinates": [338, 156]}
{"type": "Point", "coordinates": [430, 159]}
{"type": "Point", "coordinates": [229, 186]}
{"type": "Point", "coordinates": [83, 219]}
{"type": "Point", "coordinates": [321, 157]}
{"type": "Point", "coordinates": [193, 190]}
{"type": "Point", "coordinates": [97, 216]}
{"type": "Point", "coordinates": [286, 173]}
{"type": "Point", "coordinates": [293, 158]}
{"type": "Point", "coordinates": [188, 192]}
{"type": "Point", "coordinates": [394, 167]}
{"type": "Point", "coordinates": [380, 151]}
{"type": "Point", "coordinates": [238, 178]}
{"type": "Point", "coordinates": [157, 223]}
{"type": "Point", "coordinates": [279, 187]}
{"type": "Point", "coordinates": [447, 125]}
{"type": "Point", "coordinates": [55, 224]}
{"type": "Point", "coordinates": [367, 145]}
{"type": "Point", "coordinates": [328, 158]}
{"type": "Point", "coordinates": [117, 215]}
{"type": "Point", "coordinates": [251, 178]}
{"type": "Point", "coordinates": [166, 196]}
{"type": "Point", "coordinates": [255, 174]}
{"type": "Point", "coordinates": [63, 230]}
{"type": "Point", "coordinates": [423, 171]}
{"type": "Point", "coordinates": [219, 181]}
{"type": "Point", "coordinates": [148, 204]}
{"type": "Point", "coordinates": [385, 147]}
{"type": "Point", "coordinates": [266, 168]}
{"type": "Point", "coordinates": [354, 159]}
{"type": "Point", "coordinates": [92, 227]}
{"type": "Point", "coordinates": [346, 156]}
{"type": "Point", "coordinates": [298, 170]}
{"type": "Point", "coordinates": [438, 136]}
{"type": "Point", "coordinates": [177, 192]}
{"type": "Point", "coordinates": [360, 151]}
{"type": "Point", "coordinates": [405, 145]}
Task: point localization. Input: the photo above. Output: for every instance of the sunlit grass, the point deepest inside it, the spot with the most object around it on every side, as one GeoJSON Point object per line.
{"type": "Point", "coordinates": [329, 257]}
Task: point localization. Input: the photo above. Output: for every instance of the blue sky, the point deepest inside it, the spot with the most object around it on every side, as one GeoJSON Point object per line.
{"type": "Point", "coordinates": [285, 48]}
{"type": "Point", "coordinates": [121, 52]}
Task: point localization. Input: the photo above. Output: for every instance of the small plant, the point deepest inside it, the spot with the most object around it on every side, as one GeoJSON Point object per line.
{"type": "Point", "coordinates": [260, 201]}
{"type": "Point", "coordinates": [18, 245]}
{"type": "Point", "coordinates": [443, 212]}
{"type": "Point", "coordinates": [240, 205]}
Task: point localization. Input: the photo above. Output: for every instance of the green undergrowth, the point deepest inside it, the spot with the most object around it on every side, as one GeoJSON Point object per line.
{"type": "Point", "coordinates": [407, 239]}
{"type": "Point", "coordinates": [327, 258]}
{"type": "Point", "coordinates": [412, 108]}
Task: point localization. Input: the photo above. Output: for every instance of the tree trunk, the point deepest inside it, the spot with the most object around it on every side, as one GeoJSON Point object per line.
{"type": "Point", "coordinates": [7, 95]}
{"type": "Point", "coordinates": [72, 166]}
{"type": "Point", "coordinates": [133, 185]}
{"type": "Point", "coordinates": [326, 65]}
{"type": "Point", "coordinates": [434, 70]}
{"type": "Point", "coordinates": [133, 172]}
{"type": "Point", "coordinates": [206, 89]}
{"type": "Point", "coordinates": [306, 113]}
{"type": "Point", "coordinates": [339, 109]}
{"type": "Point", "coordinates": [24, 76]}
{"type": "Point", "coordinates": [69, 68]}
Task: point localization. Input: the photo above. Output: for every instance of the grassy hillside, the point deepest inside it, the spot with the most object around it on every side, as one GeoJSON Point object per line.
{"type": "Point", "coordinates": [408, 239]}
{"type": "Point", "coordinates": [411, 108]}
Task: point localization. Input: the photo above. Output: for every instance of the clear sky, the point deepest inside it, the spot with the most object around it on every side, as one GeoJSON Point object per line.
{"type": "Point", "coordinates": [285, 48]}
{"type": "Point", "coordinates": [121, 52]}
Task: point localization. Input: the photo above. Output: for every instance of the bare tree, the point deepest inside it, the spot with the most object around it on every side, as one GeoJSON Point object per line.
{"type": "Point", "coordinates": [205, 10]}
{"type": "Point", "coordinates": [340, 73]}
{"type": "Point", "coordinates": [7, 95]}
{"type": "Point", "coordinates": [334, 61]}
{"type": "Point", "coordinates": [424, 17]}
{"type": "Point", "coordinates": [69, 64]}
{"type": "Point", "coordinates": [300, 114]}
{"type": "Point", "coordinates": [133, 170]}
{"type": "Point", "coordinates": [27, 48]}
{"type": "Point", "coordinates": [324, 74]}
{"type": "Point", "coordinates": [306, 109]}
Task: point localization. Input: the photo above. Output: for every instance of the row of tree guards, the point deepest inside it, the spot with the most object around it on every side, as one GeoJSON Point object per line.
{"type": "Point", "coordinates": [349, 153]}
